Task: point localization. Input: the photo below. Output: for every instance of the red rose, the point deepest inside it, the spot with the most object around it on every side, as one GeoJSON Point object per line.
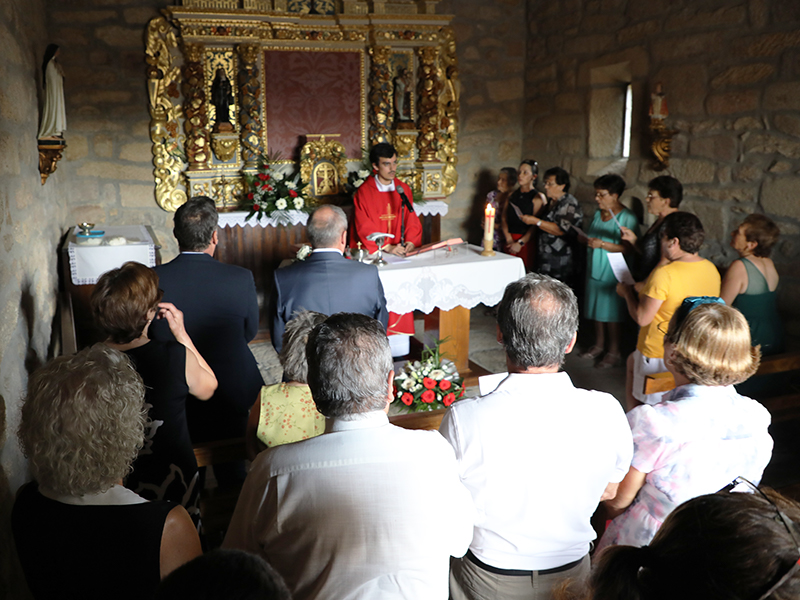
{"type": "Point", "coordinates": [461, 393]}
{"type": "Point", "coordinates": [256, 207]}
{"type": "Point", "coordinates": [263, 176]}
{"type": "Point", "coordinates": [407, 399]}
{"type": "Point", "coordinates": [445, 385]}
{"type": "Point", "coordinates": [269, 188]}
{"type": "Point", "coordinates": [292, 194]}
{"type": "Point", "coordinates": [429, 383]}
{"type": "Point", "coordinates": [428, 396]}
{"type": "Point", "coordinates": [449, 399]}
{"type": "Point", "coordinates": [250, 196]}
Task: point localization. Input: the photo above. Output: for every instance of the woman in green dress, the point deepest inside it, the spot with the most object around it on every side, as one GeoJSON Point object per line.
{"type": "Point", "coordinates": [603, 305]}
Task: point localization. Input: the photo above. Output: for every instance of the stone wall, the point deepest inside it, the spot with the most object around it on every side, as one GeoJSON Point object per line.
{"type": "Point", "coordinates": [491, 55]}
{"type": "Point", "coordinates": [730, 70]}
{"type": "Point", "coordinates": [31, 220]}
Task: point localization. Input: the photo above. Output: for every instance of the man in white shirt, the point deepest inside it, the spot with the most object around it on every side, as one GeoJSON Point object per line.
{"type": "Point", "coordinates": [537, 454]}
{"type": "Point", "coordinates": [365, 510]}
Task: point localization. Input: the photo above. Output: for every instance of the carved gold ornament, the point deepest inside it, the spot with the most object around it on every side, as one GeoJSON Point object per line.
{"type": "Point", "coordinates": [428, 89]}
{"type": "Point", "coordinates": [380, 94]}
{"type": "Point", "coordinates": [318, 152]}
{"type": "Point", "coordinates": [224, 146]}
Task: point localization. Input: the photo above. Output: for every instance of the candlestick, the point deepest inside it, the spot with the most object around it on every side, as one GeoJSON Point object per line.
{"type": "Point", "coordinates": [488, 231]}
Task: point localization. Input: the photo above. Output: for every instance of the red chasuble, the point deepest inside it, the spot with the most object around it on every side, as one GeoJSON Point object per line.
{"type": "Point", "coordinates": [380, 211]}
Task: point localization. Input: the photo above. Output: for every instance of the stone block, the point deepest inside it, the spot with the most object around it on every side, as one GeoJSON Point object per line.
{"type": "Point", "coordinates": [483, 119]}
{"type": "Point", "coordinates": [96, 97]}
{"type": "Point", "coordinates": [17, 103]}
{"type": "Point", "coordinates": [787, 123]}
{"type": "Point", "coordinates": [463, 30]}
{"type": "Point", "coordinates": [691, 18]}
{"type": "Point", "coordinates": [82, 16]}
{"type": "Point", "coordinates": [729, 103]}
{"type": "Point", "coordinates": [569, 145]}
{"type": "Point", "coordinates": [602, 23]}
{"type": "Point", "coordinates": [782, 96]}
{"type": "Point", "coordinates": [538, 106]}
{"type": "Point", "coordinates": [559, 125]}
{"type": "Point", "coordinates": [780, 166]}
{"type": "Point", "coordinates": [90, 120]}
{"type": "Point", "coordinates": [569, 102]}
{"type": "Point", "coordinates": [10, 154]}
{"type": "Point", "coordinates": [691, 170]}
{"type": "Point", "coordinates": [758, 13]}
{"type": "Point", "coordinates": [139, 15]}
{"type": "Point", "coordinates": [690, 46]}
{"type": "Point", "coordinates": [471, 53]}
{"type": "Point", "coordinates": [77, 147]}
{"type": "Point", "coordinates": [473, 100]}
{"type": "Point", "coordinates": [721, 148]}
{"type": "Point", "coordinates": [91, 213]}
{"type": "Point", "coordinates": [781, 196]}
{"type": "Point", "coordinates": [742, 75]}
{"type": "Point", "coordinates": [768, 44]}
{"type": "Point", "coordinates": [71, 37]}
{"type": "Point", "coordinates": [114, 170]}
{"type": "Point", "coordinates": [137, 196]}
{"type": "Point", "coordinates": [8, 242]}
{"type": "Point", "coordinates": [747, 124]}
{"type": "Point", "coordinates": [120, 37]}
{"type": "Point", "coordinates": [724, 175]}
{"type": "Point", "coordinates": [768, 143]}
{"type": "Point", "coordinates": [786, 12]}
{"type": "Point", "coordinates": [507, 89]}
{"type": "Point", "coordinates": [591, 45]}
{"type": "Point", "coordinates": [751, 170]}
{"type": "Point", "coordinates": [508, 151]}
{"type": "Point", "coordinates": [735, 193]}
{"type": "Point", "coordinates": [515, 49]}
{"type": "Point", "coordinates": [137, 152]}
{"type": "Point", "coordinates": [546, 73]}
{"type": "Point", "coordinates": [685, 87]}
{"type": "Point", "coordinates": [639, 32]}
{"type": "Point", "coordinates": [103, 146]}
{"type": "Point", "coordinates": [98, 57]}
{"type": "Point", "coordinates": [713, 216]}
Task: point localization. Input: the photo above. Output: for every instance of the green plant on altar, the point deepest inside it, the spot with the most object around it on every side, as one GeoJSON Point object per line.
{"type": "Point", "coordinates": [428, 384]}
{"type": "Point", "coordinates": [271, 192]}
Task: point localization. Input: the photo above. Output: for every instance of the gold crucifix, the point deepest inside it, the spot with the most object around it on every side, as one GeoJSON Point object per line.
{"type": "Point", "coordinates": [388, 217]}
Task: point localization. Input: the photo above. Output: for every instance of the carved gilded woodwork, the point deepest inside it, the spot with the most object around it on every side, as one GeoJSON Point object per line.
{"type": "Point", "coordinates": [50, 152]}
{"type": "Point", "coordinates": [195, 107]}
{"type": "Point", "coordinates": [250, 104]}
{"type": "Point", "coordinates": [449, 102]}
{"type": "Point", "coordinates": [224, 145]}
{"type": "Point", "coordinates": [323, 163]}
{"type": "Point", "coordinates": [428, 88]}
{"type": "Point", "coordinates": [660, 144]}
{"type": "Point", "coordinates": [162, 77]}
{"type": "Point", "coordinates": [380, 95]}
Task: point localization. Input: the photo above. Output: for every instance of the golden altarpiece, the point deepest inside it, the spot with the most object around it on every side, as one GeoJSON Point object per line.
{"type": "Point", "coordinates": [319, 78]}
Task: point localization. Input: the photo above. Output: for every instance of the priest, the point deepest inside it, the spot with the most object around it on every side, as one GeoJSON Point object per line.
{"type": "Point", "coordinates": [384, 203]}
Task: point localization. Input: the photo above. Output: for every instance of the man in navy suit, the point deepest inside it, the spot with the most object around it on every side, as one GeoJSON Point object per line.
{"type": "Point", "coordinates": [326, 281]}
{"type": "Point", "coordinates": [221, 316]}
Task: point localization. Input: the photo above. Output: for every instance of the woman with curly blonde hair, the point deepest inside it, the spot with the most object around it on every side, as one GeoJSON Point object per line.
{"type": "Point", "coordinates": [703, 433]}
{"type": "Point", "coordinates": [76, 527]}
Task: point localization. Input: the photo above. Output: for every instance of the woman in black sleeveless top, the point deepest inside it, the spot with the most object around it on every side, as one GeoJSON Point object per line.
{"type": "Point", "coordinates": [525, 200]}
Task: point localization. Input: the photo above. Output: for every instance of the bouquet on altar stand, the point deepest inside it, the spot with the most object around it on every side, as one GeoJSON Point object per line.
{"type": "Point", "coordinates": [428, 384]}
{"type": "Point", "coordinates": [271, 192]}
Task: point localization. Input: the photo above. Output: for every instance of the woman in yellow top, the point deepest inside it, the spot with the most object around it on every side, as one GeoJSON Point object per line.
{"type": "Point", "coordinates": [285, 412]}
{"type": "Point", "coordinates": [683, 274]}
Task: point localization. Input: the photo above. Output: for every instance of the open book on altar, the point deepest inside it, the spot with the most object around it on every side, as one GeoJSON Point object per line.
{"type": "Point", "coordinates": [435, 246]}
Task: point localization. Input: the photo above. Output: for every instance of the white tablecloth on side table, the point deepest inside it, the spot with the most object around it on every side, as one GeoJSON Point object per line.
{"type": "Point", "coordinates": [441, 280]}
{"type": "Point", "coordinates": [88, 263]}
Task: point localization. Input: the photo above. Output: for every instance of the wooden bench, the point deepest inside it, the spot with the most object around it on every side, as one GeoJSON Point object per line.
{"type": "Point", "coordinates": [778, 363]}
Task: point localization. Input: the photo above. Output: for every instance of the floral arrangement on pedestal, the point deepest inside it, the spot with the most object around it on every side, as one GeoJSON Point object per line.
{"type": "Point", "coordinates": [271, 192]}
{"type": "Point", "coordinates": [428, 384]}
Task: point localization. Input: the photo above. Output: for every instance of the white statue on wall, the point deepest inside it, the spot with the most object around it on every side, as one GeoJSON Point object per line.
{"type": "Point", "coordinates": [54, 116]}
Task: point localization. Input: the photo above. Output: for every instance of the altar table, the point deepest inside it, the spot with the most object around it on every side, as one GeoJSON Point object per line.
{"type": "Point", "coordinates": [453, 282]}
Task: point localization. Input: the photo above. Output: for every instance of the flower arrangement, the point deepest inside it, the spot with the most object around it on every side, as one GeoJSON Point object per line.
{"type": "Point", "coordinates": [428, 384]}
{"type": "Point", "coordinates": [303, 253]}
{"type": "Point", "coordinates": [355, 179]}
{"type": "Point", "coordinates": [270, 192]}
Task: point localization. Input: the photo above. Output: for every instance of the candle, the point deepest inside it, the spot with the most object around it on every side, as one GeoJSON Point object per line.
{"type": "Point", "coordinates": [488, 228]}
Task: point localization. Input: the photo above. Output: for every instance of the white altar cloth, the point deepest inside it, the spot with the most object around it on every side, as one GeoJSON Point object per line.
{"type": "Point", "coordinates": [88, 263]}
{"type": "Point", "coordinates": [298, 217]}
{"type": "Point", "coordinates": [438, 280]}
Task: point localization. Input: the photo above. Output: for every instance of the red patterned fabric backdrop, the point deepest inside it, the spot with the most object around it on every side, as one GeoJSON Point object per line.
{"type": "Point", "coordinates": [312, 92]}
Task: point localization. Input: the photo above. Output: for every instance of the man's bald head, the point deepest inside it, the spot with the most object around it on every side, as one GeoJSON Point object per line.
{"type": "Point", "coordinates": [326, 226]}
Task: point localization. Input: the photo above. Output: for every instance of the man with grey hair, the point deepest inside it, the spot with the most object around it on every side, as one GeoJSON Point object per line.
{"type": "Point", "coordinates": [365, 510]}
{"type": "Point", "coordinates": [537, 454]}
{"type": "Point", "coordinates": [325, 282]}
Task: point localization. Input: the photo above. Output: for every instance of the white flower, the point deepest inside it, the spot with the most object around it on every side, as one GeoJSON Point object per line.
{"type": "Point", "coordinates": [407, 384]}
{"type": "Point", "coordinates": [280, 204]}
{"type": "Point", "coordinates": [291, 185]}
{"type": "Point", "coordinates": [298, 203]}
{"type": "Point", "coordinates": [437, 374]}
{"type": "Point", "coordinates": [363, 174]}
{"type": "Point", "coordinates": [278, 176]}
{"type": "Point", "coordinates": [303, 252]}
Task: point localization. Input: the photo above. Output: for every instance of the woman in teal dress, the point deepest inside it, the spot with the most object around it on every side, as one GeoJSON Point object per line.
{"type": "Point", "coordinates": [603, 305]}
{"type": "Point", "coordinates": [751, 282]}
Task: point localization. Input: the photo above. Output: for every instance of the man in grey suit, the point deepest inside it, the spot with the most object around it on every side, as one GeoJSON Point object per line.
{"type": "Point", "coordinates": [326, 281]}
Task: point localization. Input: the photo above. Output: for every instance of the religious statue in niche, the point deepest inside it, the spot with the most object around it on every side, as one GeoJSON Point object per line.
{"type": "Point", "coordinates": [54, 116]}
{"type": "Point", "coordinates": [221, 98]}
{"type": "Point", "coordinates": [325, 180]}
{"type": "Point", "coordinates": [402, 96]}
{"type": "Point", "coordinates": [661, 137]}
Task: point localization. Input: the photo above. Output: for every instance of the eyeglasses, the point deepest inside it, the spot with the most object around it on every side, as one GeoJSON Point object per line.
{"type": "Point", "coordinates": [779, 516]}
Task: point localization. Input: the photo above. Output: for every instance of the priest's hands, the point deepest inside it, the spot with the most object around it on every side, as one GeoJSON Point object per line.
{"type": "Point", "coordinates": [399, 249]}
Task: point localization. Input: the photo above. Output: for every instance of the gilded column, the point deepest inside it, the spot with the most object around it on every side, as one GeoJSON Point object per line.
{"type": "Point", "coordinates": [195, 122]}
{"type": "Point", "coordinates": [250, 104]}
{"type": "Point", "coordinates": [380, 105]}
{"type": "Point", "coordinates": [428, 89]}
{"type": "Point", "coordinates": [448, 109]}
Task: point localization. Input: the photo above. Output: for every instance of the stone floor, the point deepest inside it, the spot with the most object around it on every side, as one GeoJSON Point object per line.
{"type": "Point", "coordinates": [782, 473]}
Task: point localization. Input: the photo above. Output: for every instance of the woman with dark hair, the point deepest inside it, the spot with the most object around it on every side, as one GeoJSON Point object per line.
{"type": "Point", "coordinates": [722, 546]}
{"type": "Point", "coordinates": [285, 412]}
{"type": "Point", "coordinates": [751, 283]}
{"type": "Point", "coordinates": [498, 198]}
{"type": "Point", "coordinates": [524, 202]}
{"type": "Point", "coordinates": [54, 116]}
{"type": "Point", "coordinates": [663, 198]}
{"type": "Point", "coordinates": [124, 303]}
{"type": "Point", "coordinates": [554, 255]}
{"type": "Point", "coordinates": [79, 533]}
{"type": "Point", "coordinates": [703, 433]}
{"type": "Point", "coordinates": [603, 305]}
